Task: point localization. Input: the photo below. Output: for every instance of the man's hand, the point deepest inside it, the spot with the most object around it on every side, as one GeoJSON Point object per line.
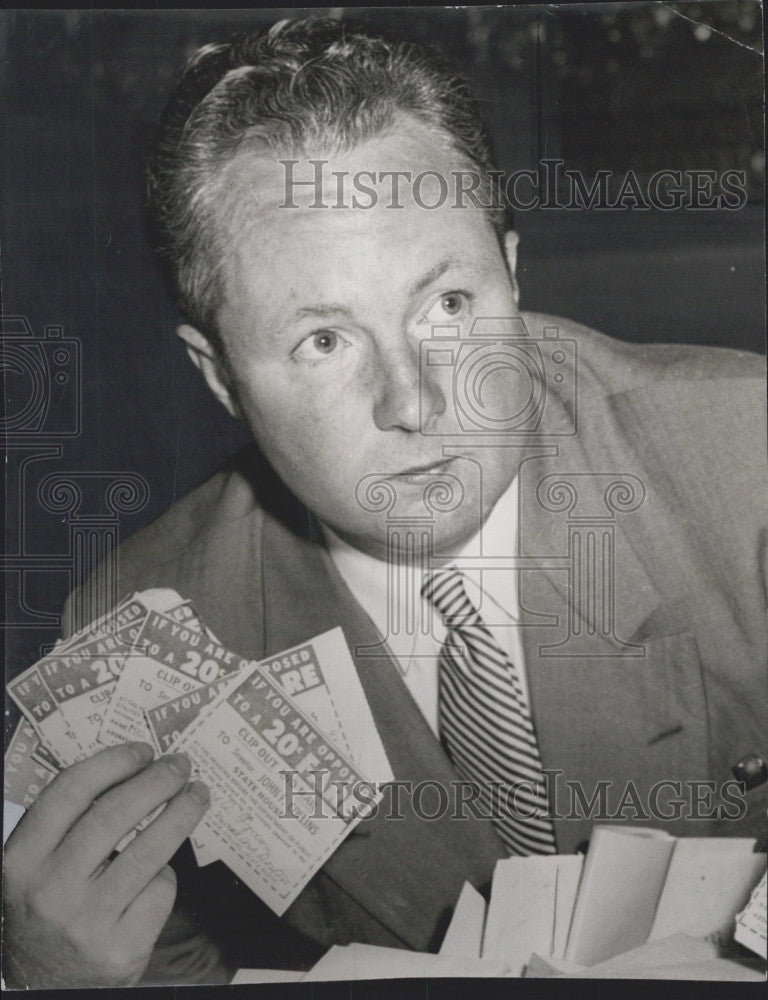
{"type": "Point", "coordinates": [72, 917]}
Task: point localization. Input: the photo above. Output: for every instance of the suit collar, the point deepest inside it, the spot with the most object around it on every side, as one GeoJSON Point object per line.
{"type": "Point", "coordinates": [407, 871]}
{"type": "Point", "coordinates": [588, 509]}
{"type": "Point", "coordinates": [584, 474]}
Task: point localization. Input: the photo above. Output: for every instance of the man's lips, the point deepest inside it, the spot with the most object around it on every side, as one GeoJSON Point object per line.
{"type": "Point", "coordinates": [439, 465]}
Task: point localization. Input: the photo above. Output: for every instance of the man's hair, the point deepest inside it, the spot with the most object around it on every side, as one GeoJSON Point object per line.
{"type": "Point", "coordinates": [296, 86]}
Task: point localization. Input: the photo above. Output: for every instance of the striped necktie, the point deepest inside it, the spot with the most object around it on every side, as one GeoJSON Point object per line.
{"type": "Point", "coordinates": [485, 723]}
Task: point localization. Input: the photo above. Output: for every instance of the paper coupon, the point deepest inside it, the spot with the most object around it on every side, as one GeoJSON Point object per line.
{"type": "Point", "coordinates": [168, 721]}
{"type": "Point", "coordinates": [166, 724]}
{"type": "Point", "coordinates": [150, 670]}
{"type": "Point", "coordinates": [321, 678]}
{"type": "Point", "coordinates": [170, 659]}
{"type": "Point", "coordinates": [45, 757]}
{"type": "Point", "coordinates": [82, 677]}
{"type": "Point", "coordinates": [34, 698]}
{"type": "Point", "coordinates": [70, 740]}
{"type": "Point", "coordinates": [81, 681]}
{"type": "Point", "coordinates": [239, 747]}
{"type": "Point", "coordinates": [24, 777]}
{"type": "Point", "coordinates": [129, 609]}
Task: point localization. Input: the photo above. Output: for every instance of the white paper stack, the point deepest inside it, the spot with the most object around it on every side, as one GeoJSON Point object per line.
{"type": "Point", "coordinates": [642, 905]}
{"type": "Point", "coordinates": [751, 922]}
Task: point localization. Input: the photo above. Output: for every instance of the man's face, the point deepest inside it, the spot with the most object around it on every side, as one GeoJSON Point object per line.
{"type": "Point", "coordinates": [324, 313]}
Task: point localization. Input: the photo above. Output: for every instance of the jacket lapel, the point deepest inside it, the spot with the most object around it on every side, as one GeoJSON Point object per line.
{"type": "Point", "coordinates": [604, 665]}
{"type": "Point", "coordinates": [405, 871]}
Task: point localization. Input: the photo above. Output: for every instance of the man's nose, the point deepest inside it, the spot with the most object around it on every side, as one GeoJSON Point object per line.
{"type": "Point", "coordinates": [407, 395]}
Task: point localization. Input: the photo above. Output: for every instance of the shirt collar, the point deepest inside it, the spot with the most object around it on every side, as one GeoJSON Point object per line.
{"type": "Point", "coordinates": [369, 578]}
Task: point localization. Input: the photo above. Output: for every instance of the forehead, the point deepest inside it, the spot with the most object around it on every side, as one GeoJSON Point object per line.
{"type": "Point", "coordinates": [278, 230]}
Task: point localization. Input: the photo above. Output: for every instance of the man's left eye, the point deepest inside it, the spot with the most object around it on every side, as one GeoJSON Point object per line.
{"type": "Point", "coordinates": [319, 345]}
{"type": "Point", "coordinates": [448, 306]}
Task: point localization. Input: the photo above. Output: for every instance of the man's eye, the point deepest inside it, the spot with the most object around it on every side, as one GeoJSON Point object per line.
{"type": "Point", "coordinates": [448, 306]}
{"type": "Point", "coordinates": [320, 344]}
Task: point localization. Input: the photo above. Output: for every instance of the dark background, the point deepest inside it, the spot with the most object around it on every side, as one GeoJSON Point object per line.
{"type": "Point", "coordinates": [616, 86]}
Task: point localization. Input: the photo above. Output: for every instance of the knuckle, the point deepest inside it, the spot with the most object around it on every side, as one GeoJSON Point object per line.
{"type": "Point", "coordinates": [121, 959]}
{"type": "Point", "coordinates": [160, 895]}
{"type": "Point", "coordinates": [81, 937]}
{"type": "Point", "coordinates": [72, 784]}
{"type": "Point", "coordinates": [44, 903]}
{"type": "Point", "coordinates": [86, 778]}
{"type": "Point", "coordinates": [167, 876]}
{"type": "Point", "coordinates": [104, 816]}
{"type": "Point", "coordinates": [164, 887]}
{"type": "Point", "coordinates": [133, 864]}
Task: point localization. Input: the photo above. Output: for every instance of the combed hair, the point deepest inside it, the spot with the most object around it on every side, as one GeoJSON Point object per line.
{"type": "Point", "coordinates": [298, 85]}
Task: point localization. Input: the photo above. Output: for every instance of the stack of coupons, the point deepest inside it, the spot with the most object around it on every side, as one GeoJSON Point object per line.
{"type": "Point", "coordinates": [287, 746]}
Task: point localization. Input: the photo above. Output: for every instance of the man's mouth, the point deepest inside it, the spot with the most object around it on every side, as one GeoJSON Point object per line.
{"type": "Point", "coordinates": [417, 472]}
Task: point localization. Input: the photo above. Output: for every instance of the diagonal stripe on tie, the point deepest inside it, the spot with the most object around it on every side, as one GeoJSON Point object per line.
{"type": "Point", "coordinates": [485, 722]}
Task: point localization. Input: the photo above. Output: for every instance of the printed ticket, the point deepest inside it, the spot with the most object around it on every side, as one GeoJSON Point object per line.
{"type": "Point", "coordinates": [81, 681]}
{"type": "Point", "coordinates": [150, 670]}
{"type": "Point", "coordinates": [319, 677]}
{"type": "Point", "coordinates": [299, 671]}
{"type": "Point", "coordinates": [125, 620]}
{"type": "Point", "coordinates": [34, 698]}
{"type": "Point", "coordinates": [130, 610]}
{"type": "Point", "coordinates": [24, 777]}
{"type": "Point", "coordinates": [239, 746]}
{"type": "Point", "coordinates": [44, 756]}
{"type": "Point", "coordinates": [168, 721]}
{"type": "Point", "coordinates": [81, 673]}
{"type": "Point", "coordinates": [83, 677]}
{"type": "Point", "coordinates": [170, 659]}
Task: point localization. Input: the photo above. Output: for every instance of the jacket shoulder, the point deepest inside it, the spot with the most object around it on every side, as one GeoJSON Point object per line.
{"type": "Point", "coordinates": [617, 366]}
{"type": "Point", "coordinates": [166, 551]}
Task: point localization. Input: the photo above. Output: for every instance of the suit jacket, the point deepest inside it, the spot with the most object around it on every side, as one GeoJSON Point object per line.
{"type": "Point", "coordinates": [643, 518]}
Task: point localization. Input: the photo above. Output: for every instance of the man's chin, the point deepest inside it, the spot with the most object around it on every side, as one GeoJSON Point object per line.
{"type": "Point", "coordinates": [411, 540]}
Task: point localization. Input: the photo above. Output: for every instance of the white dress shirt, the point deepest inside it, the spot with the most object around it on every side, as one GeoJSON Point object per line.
{"type": "Point", "coordinates": [493, 592]}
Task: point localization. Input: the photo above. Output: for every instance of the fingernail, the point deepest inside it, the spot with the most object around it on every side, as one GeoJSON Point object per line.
{"type": "Point", "coordinates": [179, 763]}
{"type": "Point", "coordinates": [168, 873]}
{"type": "Point", "coordinates": [199, 792]}
{"type": "Point", "coordinates": [143, 752]}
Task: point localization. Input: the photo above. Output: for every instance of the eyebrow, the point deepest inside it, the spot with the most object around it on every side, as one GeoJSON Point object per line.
{"type": "Point", "coordinates": [433, 274]}
{"type": "Point", "coordinates": [336, 309]}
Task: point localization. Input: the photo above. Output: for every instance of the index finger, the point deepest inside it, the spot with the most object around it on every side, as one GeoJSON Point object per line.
{"type": "Point", "coordinates": [70, 794]}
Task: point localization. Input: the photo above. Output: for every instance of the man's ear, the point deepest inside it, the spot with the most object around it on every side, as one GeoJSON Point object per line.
{"type": "Point", "coordinates": [205, 357]}
{"type": "Point", "coordinates": [511, 239]}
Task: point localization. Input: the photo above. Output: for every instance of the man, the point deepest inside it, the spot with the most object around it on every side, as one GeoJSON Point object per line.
{"type": "Point", "coordinates": [407, 414]}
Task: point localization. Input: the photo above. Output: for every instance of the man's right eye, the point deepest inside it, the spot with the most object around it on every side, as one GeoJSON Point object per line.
{"type": "Point", "coordinates": [319, 345]}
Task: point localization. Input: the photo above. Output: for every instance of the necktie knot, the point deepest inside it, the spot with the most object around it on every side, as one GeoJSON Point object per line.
{"type": "Point", "coordinates": [444, 589]}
